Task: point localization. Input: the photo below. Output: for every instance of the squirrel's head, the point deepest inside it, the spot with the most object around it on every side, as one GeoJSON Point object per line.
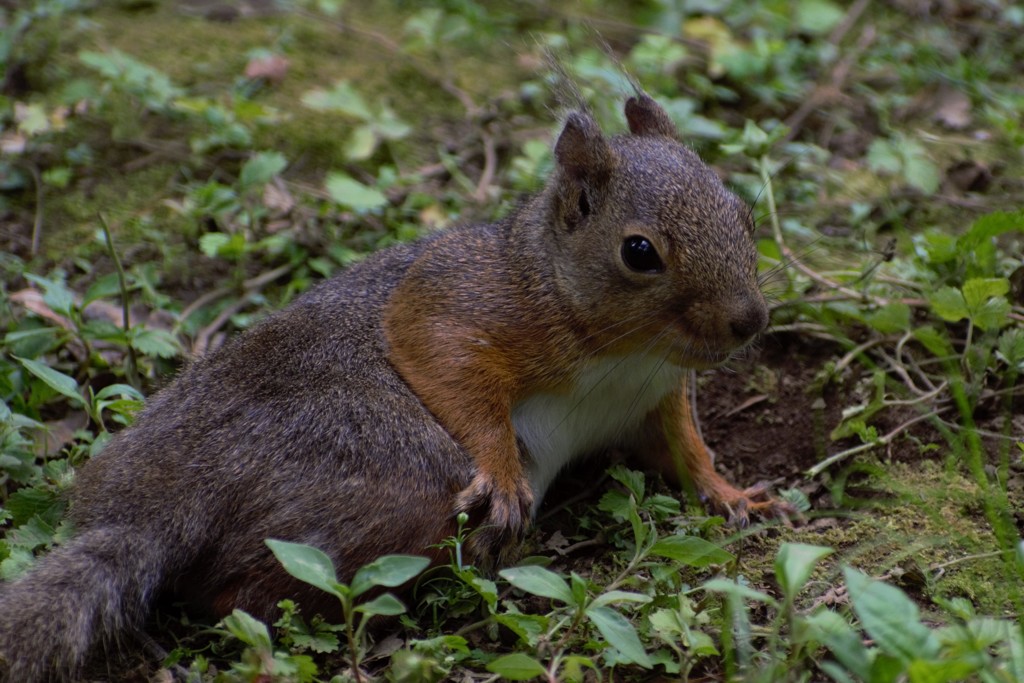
{"type": "Point", "coordinates": [651, 248]}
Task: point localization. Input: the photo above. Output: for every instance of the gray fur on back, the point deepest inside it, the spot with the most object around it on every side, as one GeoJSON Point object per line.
{"type": "Point", "coordinates": [278, 434]}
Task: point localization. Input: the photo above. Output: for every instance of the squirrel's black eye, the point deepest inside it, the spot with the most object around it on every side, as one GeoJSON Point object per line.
{"type": "Point", "coordinates": [640, 255]}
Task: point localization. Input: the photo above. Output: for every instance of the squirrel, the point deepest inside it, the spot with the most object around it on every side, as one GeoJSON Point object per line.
{"type": "Point", "coordinates": [458, 373]}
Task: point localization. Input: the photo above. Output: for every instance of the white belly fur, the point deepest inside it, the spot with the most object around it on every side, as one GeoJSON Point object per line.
{"type": "Point", "coordinates": [611, 398]}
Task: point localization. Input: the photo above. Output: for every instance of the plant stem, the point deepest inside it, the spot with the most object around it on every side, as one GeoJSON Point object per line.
{"type": "Point", "coordinates": [133, 367]}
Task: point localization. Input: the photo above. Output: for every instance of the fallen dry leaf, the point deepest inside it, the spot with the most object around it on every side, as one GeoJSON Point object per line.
{"type": "Point", "coordinates": [272, 68]}
{"type": "Point", "coordinates": [952, 109]}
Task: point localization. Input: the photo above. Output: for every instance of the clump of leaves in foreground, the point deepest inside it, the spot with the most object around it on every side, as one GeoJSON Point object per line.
{"type": "Point", "coordinates": [881, 638]}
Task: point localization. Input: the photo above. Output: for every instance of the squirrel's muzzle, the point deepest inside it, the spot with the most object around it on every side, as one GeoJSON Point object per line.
{"type": "Point", "coordinates": [748, 318]}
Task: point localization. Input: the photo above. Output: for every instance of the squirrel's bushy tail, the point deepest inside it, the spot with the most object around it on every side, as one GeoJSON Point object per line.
{"type": "Point", "coordinates": [86, 593]}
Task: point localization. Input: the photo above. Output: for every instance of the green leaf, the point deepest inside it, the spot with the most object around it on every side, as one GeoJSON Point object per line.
{"type": "Point", "coordinates": [539, 581]}
{"type": "Point", "coordinates": [385, 605]}
{"type": "Point", "coordinates": [58, 381]}
{"type": "Point", "coordinates": [835, 633]}
{"type": "Point", "coordinates": [353, 194]}
{"type": "Point", "coordinates": [631, 479]}
{"type": "Point", "coordinates": [989, 226]}
{"type": "Point", "coordinates": [33, 534]}
{"type": "Point", "coordinates": [248, 629]}
{"type": "Point", "coordinates": [992, 315]}
{"type": "Point", "coordinates": [617, 503]}
{"type": "Point", "coordinates": [691, 551]}
{"type": "Point", "coordinates": [836, 672]}
{"type": "Point", "coordinates": [388, 571]}
{"type": "Point", "coordinates": [361, 144]}
{"type": "Point", "coordinates": [818, 16]}
{"type": "Point", "coordinates": [921, 173]}
{"type": "Point", "coordinates": [948, 303]}
{"type": "Point", "coordinates": [933, 340]}
{"type": "Point", "coordinates": [307, 564]}
{"type": "Point", "coordinates": [794, 564]}
{"type": "Point", "coordinates": [388, 126]}
{"type": "Point", "coordinates": [27, 502]}
{"type": "Point", "coordinates": [978, 290]}
{"type": "Point", "coordinates": [883, 156]}
{"type": "Point", "coordinates": [1014, 652]}
{"type": "Point", "coordinates": [212, 242]}
{"type": "Point", "coordinates": [517, 667]}
{"type": "Point", "coordinates": [1011, 347]}
{"type": "Point", "coordinates": [485, 588]}
{"type": "Point", "coordinates": [123, 390]}
{"type": "Point", "coordinates": [33, 120]}
{"type": "Point", "coordinates": [342, 98]}
{"type": "Point", "coordinates": [151, 341]}
{"type": "Point", "coordinates": [59, 298]}
{"type": "Point", "coordinates": [945, 670]}
{"type": "Point", "coordinates": [107, 286]}
{"type": "Point", "coordinates": [260, 169]}
{"type": "Point", "coordinates": [578, 585]}
{"type": "Point", "coordinates": [728, 587]}
{"type": "Point", "coordinates": [890, 617]}
{"type": "Point", "coordinates": [620, 634]}
{"type": "Point", "coordinates": [891, 318]}
{"type": "Point", "coordinates": [619, 596]}
{"type": "Point", "coordinates": [528, 627]}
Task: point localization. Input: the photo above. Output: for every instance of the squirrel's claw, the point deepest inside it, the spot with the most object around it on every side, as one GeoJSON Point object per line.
{"type": "Point", "coordinates": [500, 512]}
{"type": "Point", "coordinates": [738, 505]}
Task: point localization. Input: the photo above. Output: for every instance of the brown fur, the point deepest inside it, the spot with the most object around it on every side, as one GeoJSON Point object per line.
{"type": "Point", "coordinates": [361, 418]}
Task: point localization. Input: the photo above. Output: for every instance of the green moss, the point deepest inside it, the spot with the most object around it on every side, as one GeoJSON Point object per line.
{"type": "Point", "coordinates": [923, 530]}
{"type": "Point", "coordinates": [128, 202]}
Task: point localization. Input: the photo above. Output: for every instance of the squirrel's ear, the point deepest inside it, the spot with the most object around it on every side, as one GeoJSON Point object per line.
{"type": "Point", "coordinates": [646, 117]}
{"type": "Point", "coordinates": [581, 149]}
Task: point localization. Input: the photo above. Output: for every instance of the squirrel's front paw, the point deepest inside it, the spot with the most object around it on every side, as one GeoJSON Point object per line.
{"type": "Point", "coordinates": [737, 506]}
{"type": "Point", "coordinates": [500, 511]}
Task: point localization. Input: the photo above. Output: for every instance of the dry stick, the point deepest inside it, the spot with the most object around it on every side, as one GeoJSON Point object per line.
{"type": "Point", "coordinates": [252, 283]}
{"type": "Point", "coordinates": [815, 330]}
{"type": "Point", "coordinates": [843, 27]}
{"type": "Point", "coordinates": [881, 441]}
{"type": "Point", "coordinates": [897, 367]}
{"type": "Point", "coordinates": [840, 72]}
{"type": "Point", "coordinates": [901, 363]}
{"type": "Point", "coordinates": [942, 566]}
{"type": "Point", "coordinates": [490, 166]}
{"type": "Point", "coordinates": [856, 351]}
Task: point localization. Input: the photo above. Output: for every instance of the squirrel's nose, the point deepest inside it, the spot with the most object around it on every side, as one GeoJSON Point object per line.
{"type": "Point", "coordinates": [749, 318]}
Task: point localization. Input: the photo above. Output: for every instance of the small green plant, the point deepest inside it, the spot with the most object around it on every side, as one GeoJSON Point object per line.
{"type": "Point", "coordinates": [261, 660]}
{"type": "Point", "coordinates": [313, 566]}
{"type": "Point", "coordinates": [376, 125]}
{"type": "Point", "coordinates": [902, 646]}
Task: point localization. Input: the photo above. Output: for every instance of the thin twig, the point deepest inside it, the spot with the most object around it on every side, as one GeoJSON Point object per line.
{"type": "Point", "coordinates": [490, 167]}
{"type": "Point", "coordinates": [880, 441]}
{"type": "Point", "coordinates": [969, 558]}
{"type": "Point", "coordinates": [900, 361]}
{"type": "Point", "coordinates": [833, 89]}
{"type": "Point", "coordinates": [856, 351]}
{"type": "Point", "coordinates": [252, 283]}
